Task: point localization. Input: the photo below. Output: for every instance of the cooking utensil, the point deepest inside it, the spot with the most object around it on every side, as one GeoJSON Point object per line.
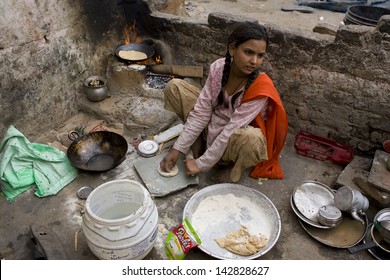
{"type": "Point", "coordinates": [310, 196]}
{"type": "Point", "coordinates": [144, 48]}
{"type": "Point", "coordinates": [329, 215]}
{"type": "Point", "coordinates": [95, 88]}
{"type": "Point", "coordinates": [351, 200]}
{"type": "Point", "coordinates": [304, 219]}
{"type": "Point", "coordinates": [347, 234]}
{"type": "Point", "coordinates": [382, 224]}
{"type": "Point", "coordinates": [375, 251]}
{"type": "Point", "coordinates": [147, 148]}
{"type": "Point", "coordinates": [258, 211]}
{"type": "Point", "coordinates": [97, 151]}
{"type": "Point", "coordinates": [375, 242]}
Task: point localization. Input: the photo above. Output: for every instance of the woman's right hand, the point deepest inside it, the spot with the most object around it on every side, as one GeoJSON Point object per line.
{"type": "Point", "coordinates": [169, 161]}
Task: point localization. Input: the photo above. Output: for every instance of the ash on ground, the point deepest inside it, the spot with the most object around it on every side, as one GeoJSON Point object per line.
{"type": "Point", "coordinates": [157, 81]}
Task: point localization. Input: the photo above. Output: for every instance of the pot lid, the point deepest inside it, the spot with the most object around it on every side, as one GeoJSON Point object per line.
{"type": "Point", "coordinates": [83, 192]}
{"type": "Point", "coordinates": [148, 148]}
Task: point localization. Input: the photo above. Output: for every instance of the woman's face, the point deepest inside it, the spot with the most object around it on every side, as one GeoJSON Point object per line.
{"type": "Point", "coordinates": [248, 56]}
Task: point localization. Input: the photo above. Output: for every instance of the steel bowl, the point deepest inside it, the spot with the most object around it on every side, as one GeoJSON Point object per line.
{"type": "Point", "coordinates": [257, 210]}
{"type": "Point", "coordinates": [329, 215]}
{"type": "Point", "coordinates": [382, 224]}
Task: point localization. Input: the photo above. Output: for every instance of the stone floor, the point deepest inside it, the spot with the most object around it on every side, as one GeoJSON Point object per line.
{"type": "Point", "coordinates": [62, 213]}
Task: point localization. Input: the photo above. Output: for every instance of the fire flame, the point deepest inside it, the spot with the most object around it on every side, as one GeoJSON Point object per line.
{"type": "Point", "coordinates": [131, 37]}
{"type": "Point", "coordinates": [130, 33]}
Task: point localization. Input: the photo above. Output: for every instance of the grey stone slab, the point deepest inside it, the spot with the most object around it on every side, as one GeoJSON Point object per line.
{"type": "Point", "coordinates": [355, 175]}
{"type": "Point", "coordinates": [359, 166]}
{"type": "Point", "coordinates": [158, 185]}
{"type": "Point", "coordinates": [379, 175]}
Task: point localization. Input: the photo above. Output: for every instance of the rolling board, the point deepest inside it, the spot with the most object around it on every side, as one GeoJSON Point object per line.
{"type": "Point", "coordinates": [158, 185]}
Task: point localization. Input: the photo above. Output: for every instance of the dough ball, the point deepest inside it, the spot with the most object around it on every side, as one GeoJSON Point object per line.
{"type": "Point", "coordinates": [172, 173]}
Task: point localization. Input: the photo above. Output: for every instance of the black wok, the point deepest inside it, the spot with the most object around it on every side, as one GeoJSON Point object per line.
{"type": "Point", "coordinates": [97, 151]}
{"type": "Point", "coordinates": [144, 48]}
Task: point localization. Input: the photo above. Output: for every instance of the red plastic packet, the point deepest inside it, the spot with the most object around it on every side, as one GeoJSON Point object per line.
{"type": "Point", "coordinates": [181, 240]}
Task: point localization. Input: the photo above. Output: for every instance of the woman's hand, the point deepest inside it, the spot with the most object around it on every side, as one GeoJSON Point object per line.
{"type": "Point", "coordinates": [191, 167]}
{"type": "Point", "coordinates": [169, 161]}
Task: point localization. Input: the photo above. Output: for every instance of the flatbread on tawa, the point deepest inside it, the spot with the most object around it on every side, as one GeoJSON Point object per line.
{"type": "Point", "coordinates": [242, 242]}
{"type": "Point", "coordinates": [172, 173]}
{"type": "Point", "coordinates": [132, 55]}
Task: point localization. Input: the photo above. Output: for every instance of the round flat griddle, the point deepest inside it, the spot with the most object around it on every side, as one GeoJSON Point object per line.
{"type": "Point", "coordinates": [143, 48]}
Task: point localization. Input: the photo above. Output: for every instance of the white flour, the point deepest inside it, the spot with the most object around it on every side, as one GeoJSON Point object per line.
{"type": "Point", "coordinates": [219, 215]}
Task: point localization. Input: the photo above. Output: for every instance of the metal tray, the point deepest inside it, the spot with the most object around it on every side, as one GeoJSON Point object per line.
{"type": "Point", "coordinates": [258, 210]}
{"type": "Point", "coordinates": [347, 234]}
{"type": "Point", "coordinates": [310, 196]}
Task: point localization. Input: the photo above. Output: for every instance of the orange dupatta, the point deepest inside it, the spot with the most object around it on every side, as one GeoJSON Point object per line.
{"type": "Point", "coordinates": [275, 128]}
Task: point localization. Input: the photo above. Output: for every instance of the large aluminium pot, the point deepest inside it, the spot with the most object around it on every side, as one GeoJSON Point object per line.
{"type": "Point", "coordinates": [97, 150]}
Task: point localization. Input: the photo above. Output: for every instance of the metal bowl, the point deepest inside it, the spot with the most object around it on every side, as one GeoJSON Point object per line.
{"type": "Point", "coordinates": [329, 215]}
{"type": "Point", "coordinates": [254, 209]}
{"type": "Point", "coordinates": [382, 224]}
{"type": "Point", "coordinates": [377, 237]}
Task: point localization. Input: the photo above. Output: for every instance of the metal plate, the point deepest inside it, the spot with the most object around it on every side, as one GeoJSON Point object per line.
{"type": "Point", "coordinates": [255, 210]}
{"type": "Point", "coordinates": [303, 218]}
{"type": "Point", "coordinates": [347, 234]}
{"type": "Point", "coordinates": [310, 196]}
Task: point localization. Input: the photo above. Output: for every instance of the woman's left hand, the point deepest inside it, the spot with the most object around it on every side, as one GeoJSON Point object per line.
{"type": "Point", "coordinates": [191, 168]}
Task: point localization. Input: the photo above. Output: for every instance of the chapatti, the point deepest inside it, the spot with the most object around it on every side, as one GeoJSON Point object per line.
{"type": "Point", "coordinates": [132, 55]}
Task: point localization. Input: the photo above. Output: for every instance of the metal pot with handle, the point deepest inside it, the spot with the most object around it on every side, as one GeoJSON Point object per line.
{"type": "Point", "coordinates": [143, 49]}
{"type": "Point", "coordinates": [97, 150]}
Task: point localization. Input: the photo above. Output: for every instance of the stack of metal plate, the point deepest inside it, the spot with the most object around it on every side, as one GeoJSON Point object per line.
{"type": "Point", "coordinates": [306, 201]}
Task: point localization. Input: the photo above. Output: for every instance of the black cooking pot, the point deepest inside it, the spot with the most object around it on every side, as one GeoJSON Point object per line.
{"type": "Point", "coordinates": [144, 48]}
{"type": "Point", "coordinates": [97, 151]}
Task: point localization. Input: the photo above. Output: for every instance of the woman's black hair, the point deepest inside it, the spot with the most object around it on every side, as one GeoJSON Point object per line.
{"type": "Point", "coordinates": [242, 33]}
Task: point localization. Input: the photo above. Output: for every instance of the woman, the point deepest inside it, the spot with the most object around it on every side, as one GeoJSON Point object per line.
{"type": "Point", "coordinates": [238, 112]}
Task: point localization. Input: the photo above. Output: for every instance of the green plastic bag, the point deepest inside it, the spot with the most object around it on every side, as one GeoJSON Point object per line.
{"type": "Point", "coordinates": [24, 164]}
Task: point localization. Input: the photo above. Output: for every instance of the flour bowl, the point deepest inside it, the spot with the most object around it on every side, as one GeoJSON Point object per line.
{"type": "Point", "coordinates": [232, 206]}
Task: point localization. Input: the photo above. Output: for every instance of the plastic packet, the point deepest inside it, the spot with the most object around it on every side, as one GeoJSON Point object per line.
{"type": "Point", "coordinates": [181, 240]}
